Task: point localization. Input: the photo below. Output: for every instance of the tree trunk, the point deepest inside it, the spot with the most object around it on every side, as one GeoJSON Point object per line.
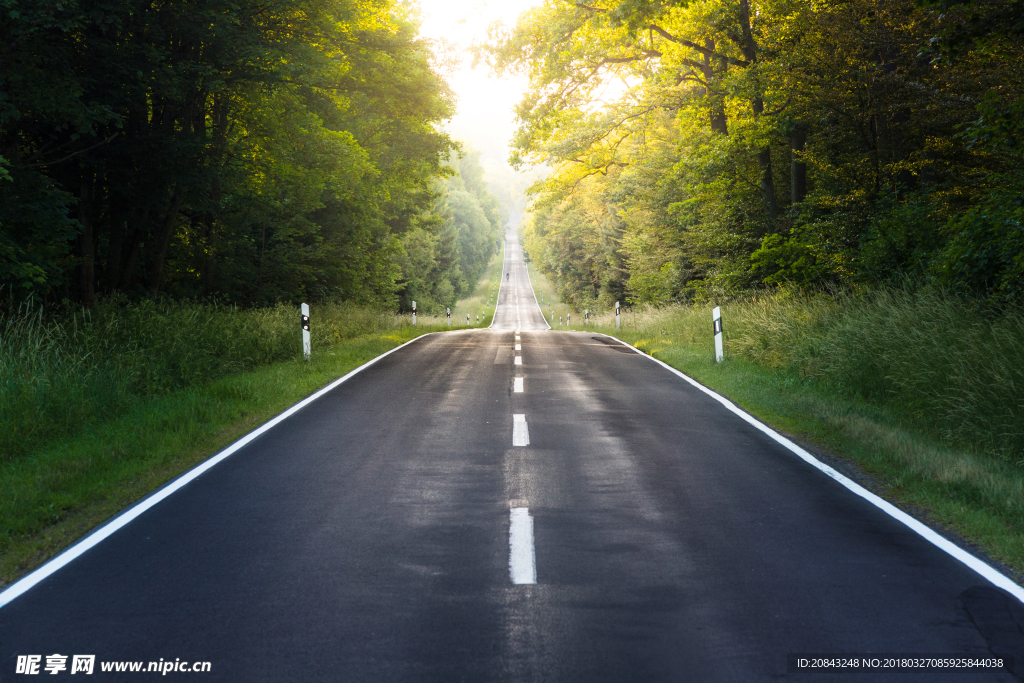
{"type": "Point", "coordinates": [764, 157]}
{"type": "Point", "coordinates": [211, 218]}
{"type": "Point", "coordinates": [890, 131]}
{"type": "Point", "coordinates": [163, 240]}
{"type": "Point", "coordinates": [905, 180]}
{"type": "Point", "coordinates": [797, 167]}
{"type": "Point", "coordinates": [115, 258]}
{"type": "Point", "coordinates": [928, 171]}
{"type": "Point", "coordinates": [716, 114]}
{"type": "Point", "coordinates": [131, 262]}
{"type": "Point", "coordinates": [86, 247]}
{"type": "Point", "coordinates": [764, 160]}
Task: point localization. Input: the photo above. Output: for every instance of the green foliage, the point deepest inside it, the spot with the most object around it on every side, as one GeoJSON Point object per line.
{"type": "Point", "coordinates": [35, 231]}
{"type": "Point", "coordinates": [901, 242]}
{"type": "Point", "coordinates": [985, 250]}
{"type": "Point", "coordinates": [254, 152]}
{"type": "Point", "coordinates": [738, 143]}
{"type": "Point", "coordinates": [789, 259]}
{"type": "Point", "coordinates": [445, 257]}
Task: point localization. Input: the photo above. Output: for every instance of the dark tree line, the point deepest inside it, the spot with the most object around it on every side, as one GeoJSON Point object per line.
{"type": "Point", "coordinates": [250, 151]}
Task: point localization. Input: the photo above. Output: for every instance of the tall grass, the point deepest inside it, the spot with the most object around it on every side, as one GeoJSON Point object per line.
{"type": "Point", "coordinates": [934, 361]}
{"type": "Point", "coordinates": [61, 373]}
{"type": "Point", "coordinates": [553, 308]}
{"type": "Point", "coordinates": [942, 362]}
{"type": "Point", "coordinates": [481, 300]}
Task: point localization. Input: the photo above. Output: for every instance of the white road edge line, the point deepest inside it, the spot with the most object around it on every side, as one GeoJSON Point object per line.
{"type": "Point", "coordinates": [520, 430]}
{"type": "Point", "coordinates": [504, 249]}
{"type": "Point", "coordinates": [986, 570]}
{"type": "Point", "coordinates": [522, 558]}
{"type": "Point", "coordinates": [517, 385]}
{"type": "Point", "coordinates": [129, 514]}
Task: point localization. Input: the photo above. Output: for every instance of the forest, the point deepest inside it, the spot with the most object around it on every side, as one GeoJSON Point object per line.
{"type": "Point", "coordinates": [709, 148]}
{"type": "Point", "coordinates": [246, 153]}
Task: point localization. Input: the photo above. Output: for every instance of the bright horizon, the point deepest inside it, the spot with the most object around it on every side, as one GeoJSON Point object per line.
{"type": "Point", "coordinates": [484, 117]}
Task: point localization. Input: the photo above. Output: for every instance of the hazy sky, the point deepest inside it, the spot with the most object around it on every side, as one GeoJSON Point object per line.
{"type": "Point", "coordinates": [484, 117]}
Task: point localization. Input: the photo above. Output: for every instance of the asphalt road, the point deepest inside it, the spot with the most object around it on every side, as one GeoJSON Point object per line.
{"type": "Point", "coordinates": [517, 305]}
{"type": "Point", "coordinates": [391, 531]}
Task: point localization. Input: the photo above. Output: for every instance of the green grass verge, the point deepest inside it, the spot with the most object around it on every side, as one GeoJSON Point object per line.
{"type": "Point", "coordinates": [548, 299]}
{"type": "Point", "coordinates": [481, 301]}
{"type": "Point", "coordinates": [54, 496]}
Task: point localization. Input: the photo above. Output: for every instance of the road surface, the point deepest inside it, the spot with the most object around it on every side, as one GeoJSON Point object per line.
{"type": "Point", "coordinates": [392, 531]}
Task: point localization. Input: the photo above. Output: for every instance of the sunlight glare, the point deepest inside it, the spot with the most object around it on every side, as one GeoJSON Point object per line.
{"type": "Point", "coordinates": [485, 117]}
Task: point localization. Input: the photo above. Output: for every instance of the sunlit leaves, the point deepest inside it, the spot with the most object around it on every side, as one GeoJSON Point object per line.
{"type": "Point", "coordinates": [757, 141]}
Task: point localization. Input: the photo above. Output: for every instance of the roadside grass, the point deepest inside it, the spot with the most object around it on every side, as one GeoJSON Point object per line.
{"type": "Point", "coordinates": [547, 297]}
{"type": "Point", "coordinates": [920, 395]}
{"type": "Point", "coordinates": [63, 372]}
{"type": "Point", "coordinates": [481, 302]}
{"type": "Point", "coordinates": [157, 416]}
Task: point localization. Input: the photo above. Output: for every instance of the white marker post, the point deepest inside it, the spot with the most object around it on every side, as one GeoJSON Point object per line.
{"type": "Point", "coordinates": [618, 323]}
{"type": "Point", "coordinates": [448, 312]}
{"type": "Point", "coordinates": [305, 331]}
{"type": "Point", "coordinates": [467, 320]}
{"type": "Point", "coordinates": [716, 321]}
{"type": "Point", "coordinates": [413, 312]}
{"type": "Point", "coordinates": [586, 316]}
{"type": "Point", "coordinates": [567, 316]}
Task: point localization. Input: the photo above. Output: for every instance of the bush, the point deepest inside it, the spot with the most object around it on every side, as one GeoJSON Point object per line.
{"type": "Point", "coordinates": [985, 252]}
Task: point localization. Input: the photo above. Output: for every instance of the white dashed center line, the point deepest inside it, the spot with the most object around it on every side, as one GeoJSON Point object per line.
{"type": "Point", "coordinates": [518, 360]}
{"type": "Point", "coordinates": [519, 347]}
{"type": "Point", "coordinates": [517, 385]}
{"type": "Point", "coordinates": [520, 432]}
{"type": "Point", "coordinates": [522, 560]}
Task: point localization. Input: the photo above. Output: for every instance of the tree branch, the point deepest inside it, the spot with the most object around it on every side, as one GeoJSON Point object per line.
{"type": "Point", "coordinates": [603, 171]}
{"type": "Point", "coordinates": [73, 154]}
{"type": "Point", "coordinates": [699, 48]}
{"type": "Point", "coordinates": [781, 109]}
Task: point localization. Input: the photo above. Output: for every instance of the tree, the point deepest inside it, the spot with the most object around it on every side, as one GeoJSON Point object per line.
{"type": "Point", "coordinates": [672, 117]}
{"type": "Point", "coordinates": [253, 152]}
